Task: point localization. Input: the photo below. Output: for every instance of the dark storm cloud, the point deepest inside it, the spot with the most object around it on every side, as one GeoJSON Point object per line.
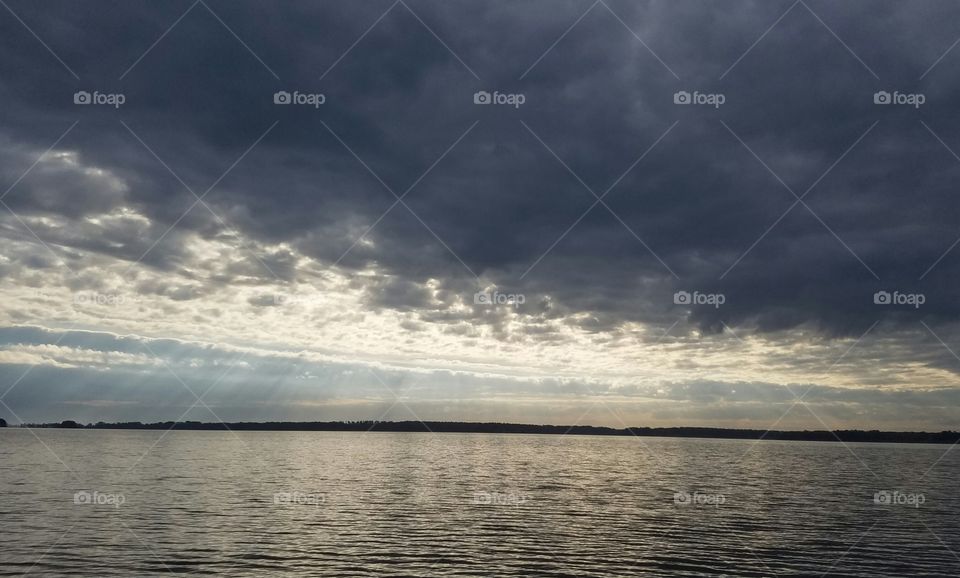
{"type": "Point", "coordinates": [688, 216]}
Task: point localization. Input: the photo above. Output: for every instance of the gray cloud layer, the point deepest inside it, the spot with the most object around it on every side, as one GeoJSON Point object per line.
{"type": "Point", "coordinates": [698, 211]}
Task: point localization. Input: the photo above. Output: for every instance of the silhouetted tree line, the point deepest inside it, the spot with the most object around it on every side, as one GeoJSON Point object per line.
{"type": "Point", "coordinates": [944, 437]}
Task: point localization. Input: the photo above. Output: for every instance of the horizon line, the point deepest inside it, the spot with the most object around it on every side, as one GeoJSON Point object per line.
{"type": "Point", "coordinates": [414, 426]}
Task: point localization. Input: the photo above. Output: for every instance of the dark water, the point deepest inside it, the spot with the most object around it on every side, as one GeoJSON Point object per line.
{"type": "Point", "coordinates": [350, 504]}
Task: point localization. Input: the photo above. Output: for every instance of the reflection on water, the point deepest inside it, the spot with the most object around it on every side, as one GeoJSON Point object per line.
{"type": "Point", "coordinates": [337, 504]}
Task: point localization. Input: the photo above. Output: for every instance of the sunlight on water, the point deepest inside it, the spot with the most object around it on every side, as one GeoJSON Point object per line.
{"type": "Point", "coordinates": [337, 504]}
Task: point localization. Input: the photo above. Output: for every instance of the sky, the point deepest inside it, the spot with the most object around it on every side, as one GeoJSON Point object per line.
{"type": "Point", "coordinates": [733, 214]}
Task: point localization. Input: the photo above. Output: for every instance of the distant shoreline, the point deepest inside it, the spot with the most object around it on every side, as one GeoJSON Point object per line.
{"type": "Point", "coordinates": [944, 437]}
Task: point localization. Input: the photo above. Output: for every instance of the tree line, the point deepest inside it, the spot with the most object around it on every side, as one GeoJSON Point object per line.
{"type": "Point", "coordinates": [943, 437]}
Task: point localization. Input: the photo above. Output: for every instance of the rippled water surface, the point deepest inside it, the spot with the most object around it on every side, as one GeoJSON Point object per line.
{"type": "Point", "coordinates": [402, 504]}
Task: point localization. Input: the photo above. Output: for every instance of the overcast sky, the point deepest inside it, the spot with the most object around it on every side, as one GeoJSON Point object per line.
{"type": "Point", "coordinates": [677, 212]}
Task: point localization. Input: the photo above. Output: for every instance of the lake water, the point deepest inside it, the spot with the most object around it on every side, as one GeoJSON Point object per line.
{"type": "Point", "coordinates": [135, 503]}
